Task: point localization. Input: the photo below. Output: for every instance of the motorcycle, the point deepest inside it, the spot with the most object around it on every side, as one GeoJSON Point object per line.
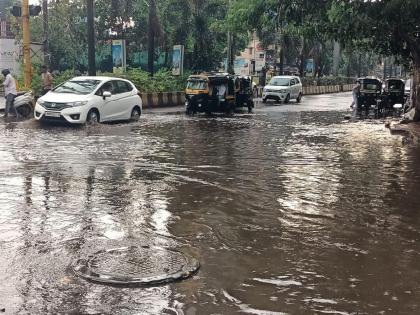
{"type": "Point", "coordinates": [24, 104]}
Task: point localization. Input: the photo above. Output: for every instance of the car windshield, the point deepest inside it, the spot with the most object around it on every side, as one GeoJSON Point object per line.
{"type": "Point", "coordinates": [279, 82]}
{"type": "Point", "coordinates": [82, 87]}
{"type": "Point", "coordinates": [196, 85]}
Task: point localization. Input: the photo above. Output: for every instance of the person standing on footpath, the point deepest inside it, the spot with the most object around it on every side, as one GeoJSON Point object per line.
{"type": "Point", "coordinates": [9, 92]}
{"type": "Point", "coordinates": [47, 80]}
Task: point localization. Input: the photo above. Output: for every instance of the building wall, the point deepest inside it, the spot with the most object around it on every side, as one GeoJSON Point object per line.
{"type": "Point", "coordinates": [9, 55]}
{"type": "Point", "coordinates": [253, 53]}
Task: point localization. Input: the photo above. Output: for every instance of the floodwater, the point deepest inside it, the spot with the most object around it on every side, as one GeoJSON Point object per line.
{"type": "Point", "coordinates": [290, 210]}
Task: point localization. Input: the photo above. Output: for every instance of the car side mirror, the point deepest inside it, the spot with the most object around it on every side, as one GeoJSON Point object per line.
{"type": "Point", "coordinates": [106, 94]}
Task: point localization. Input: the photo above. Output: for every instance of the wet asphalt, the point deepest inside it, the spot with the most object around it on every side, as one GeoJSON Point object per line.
{"type": "Point", "coordinates": [290, 210]}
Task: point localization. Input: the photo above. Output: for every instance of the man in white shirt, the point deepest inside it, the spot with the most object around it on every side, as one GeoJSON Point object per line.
{"type": "Point", "coordinates": [9, 92]}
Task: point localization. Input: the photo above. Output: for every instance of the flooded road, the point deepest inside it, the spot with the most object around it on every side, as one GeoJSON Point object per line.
{"type": "Point", "coordinates": [290, 210]}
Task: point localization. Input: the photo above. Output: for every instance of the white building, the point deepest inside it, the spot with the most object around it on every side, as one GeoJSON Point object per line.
{"type": "Point", "coordinates": [251, 60]}
{"type": "Point", "coordinates": [9, 49]}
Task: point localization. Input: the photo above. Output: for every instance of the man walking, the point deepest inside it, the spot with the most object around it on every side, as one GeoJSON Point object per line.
{"type": "Point", "coordinates": [47, 80]}
{"type": "Point", "coordinates": [9, 92]}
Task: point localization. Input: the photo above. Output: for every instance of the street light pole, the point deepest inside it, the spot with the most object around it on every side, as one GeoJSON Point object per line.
{"type": "Point", "coordinates": [91, 37]}
{"type": "Point", "coordinates": [27, 66]}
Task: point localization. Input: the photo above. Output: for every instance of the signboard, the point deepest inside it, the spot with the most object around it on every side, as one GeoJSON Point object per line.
{"type": "Point", "coordinates": [241, 66]}
{"type": "Point", "coordinates": [309, 66]}
{"type": "Point", "coordinates": [9, 55]}
{"type": "Point", "coordinates": [178, 60]}
{"type": "Point", "coordinates": [259, 61]}
{"type": "Point", "coordinates": [119, 61]}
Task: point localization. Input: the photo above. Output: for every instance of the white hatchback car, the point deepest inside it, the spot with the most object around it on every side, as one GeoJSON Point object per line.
{"type": "Point", "coordinates": [89, 100]}
{"type": "Point", "coordinates": [283, 89]}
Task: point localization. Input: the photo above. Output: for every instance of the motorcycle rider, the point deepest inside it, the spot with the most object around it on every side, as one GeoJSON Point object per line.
{"type": "Point", "coordinates": [9, 92]}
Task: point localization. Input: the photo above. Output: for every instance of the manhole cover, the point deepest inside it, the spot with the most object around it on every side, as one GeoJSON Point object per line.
{"type": "Point", "coordinates": [136, 265]}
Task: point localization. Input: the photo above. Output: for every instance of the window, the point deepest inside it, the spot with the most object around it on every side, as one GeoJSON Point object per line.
{"type": "Point", "coordinates": [107, 86]}
{"type": "Point", "coordinates": [120, 87]}
{"type": "Point", "coordinates": [292, 82]}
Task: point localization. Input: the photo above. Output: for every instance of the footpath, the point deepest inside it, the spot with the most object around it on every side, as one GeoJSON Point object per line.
{"type": "Point", "coordinates": [411, 129]}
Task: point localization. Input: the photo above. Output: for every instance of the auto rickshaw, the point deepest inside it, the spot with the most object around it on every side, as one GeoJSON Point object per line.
{"type": "Point", "coordinates": [393, 92]}
{"type": "Point", "coordinates": [245, 93]}
{"type": "Point", "coordinates": [370, 93]}
{"type": "Point", "coordinates": [210, 92]}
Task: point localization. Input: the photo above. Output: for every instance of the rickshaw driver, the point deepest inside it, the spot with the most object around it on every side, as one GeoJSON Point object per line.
{"type": "Point", "coordinates": [356, 92]}
{"type": "Point", "coordinates": [220, 92]}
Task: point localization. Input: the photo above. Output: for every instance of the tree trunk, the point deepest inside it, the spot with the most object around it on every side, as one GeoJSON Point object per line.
{"type": "Point", "coordinates": [281, 70]}
{"type": "Point", "coordinates": [151, 37]}
{"type": "Point", "coordinates": [302, 58]}
{"type": "Point", "coordinates": [415, 89]}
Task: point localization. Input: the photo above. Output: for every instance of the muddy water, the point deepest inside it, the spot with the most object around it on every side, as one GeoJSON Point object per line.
{"type": "Point", "coordinates": [289, 212]}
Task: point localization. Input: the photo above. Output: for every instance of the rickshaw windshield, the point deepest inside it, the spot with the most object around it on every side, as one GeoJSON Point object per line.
{"type": "Point", "coordinates": [197, 85]}
{"type": "Point", "coordinates": [279, 82]}
{"type": "Point", "coordinates": [395, 85]}
{"type": "Point", "coordinates": [370, 85]}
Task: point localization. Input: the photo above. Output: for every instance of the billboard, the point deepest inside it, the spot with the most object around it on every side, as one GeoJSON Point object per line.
{"type": "Point", "coordinates": [241, 66]}
{"type": "Point", "coordinates": [119, 60]}
{"type": "Point", "coordinates": [178, 60]}
{"type": "Point", "coordinates": [309, 66]}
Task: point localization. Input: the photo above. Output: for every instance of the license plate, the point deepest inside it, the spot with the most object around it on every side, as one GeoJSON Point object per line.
{"type": "Point", "coordinates": [52, 114]}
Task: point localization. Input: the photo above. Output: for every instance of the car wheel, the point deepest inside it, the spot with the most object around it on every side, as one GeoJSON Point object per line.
{"type": "Point", "coordinates": [92, 117]}
{"type": "Point", "coordinates": [135, 114]}
{"type": "Point", "coordinates": [299, 98]}
{"type": "Point", "coordinates": [264, 101]}
{"type": "Point", "coordinates": [287, 99]}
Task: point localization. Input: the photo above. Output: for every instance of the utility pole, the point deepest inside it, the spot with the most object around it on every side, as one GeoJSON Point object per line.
{"type": "Point", "coordinates": [27, 66]}
{"type": "Point", "coordinates": [46, 31]}
{"type": "Point", "coordinates": [91, 37]}
{"type": "Point", "coordinates": [151, 36]}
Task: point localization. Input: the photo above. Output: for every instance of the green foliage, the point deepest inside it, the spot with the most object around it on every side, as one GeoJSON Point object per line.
{"type": "Point", "coordinates": [328, 80]}
{"type": "Point", "coordinates": [162, 81]}
{"type": "Point", "coordinates": [197, 24]}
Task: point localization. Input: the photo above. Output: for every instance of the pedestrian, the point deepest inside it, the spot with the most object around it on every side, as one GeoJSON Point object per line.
{"type": "Point", "coordinates": [47, 80]}
{"type": "Point", "coordinates": [356, 92]}
{"type": "Point", "coordinates": [9, 92]}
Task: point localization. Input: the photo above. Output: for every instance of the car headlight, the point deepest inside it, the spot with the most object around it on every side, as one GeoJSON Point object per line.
{"type": "Point", "coordinates": [75, 104]}
{"type": "Point", "coordinates": [40, 102]}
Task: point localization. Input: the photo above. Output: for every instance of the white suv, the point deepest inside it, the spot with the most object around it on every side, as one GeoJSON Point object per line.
{"type": "Point", "coordinates": [282, 89]}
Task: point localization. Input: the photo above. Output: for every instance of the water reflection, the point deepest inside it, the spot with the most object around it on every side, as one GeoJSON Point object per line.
{"type": "Point", "coordinates": [289, 213]}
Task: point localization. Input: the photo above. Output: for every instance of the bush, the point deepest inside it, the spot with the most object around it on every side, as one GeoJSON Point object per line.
{"type": "Point", "coordinates": [162, 81]}
{"type": "Point", "coordinates": [311, 81]}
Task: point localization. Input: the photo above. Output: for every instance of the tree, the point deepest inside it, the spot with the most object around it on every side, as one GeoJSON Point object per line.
{"type": "Point", "coordinates": [390, 27]}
